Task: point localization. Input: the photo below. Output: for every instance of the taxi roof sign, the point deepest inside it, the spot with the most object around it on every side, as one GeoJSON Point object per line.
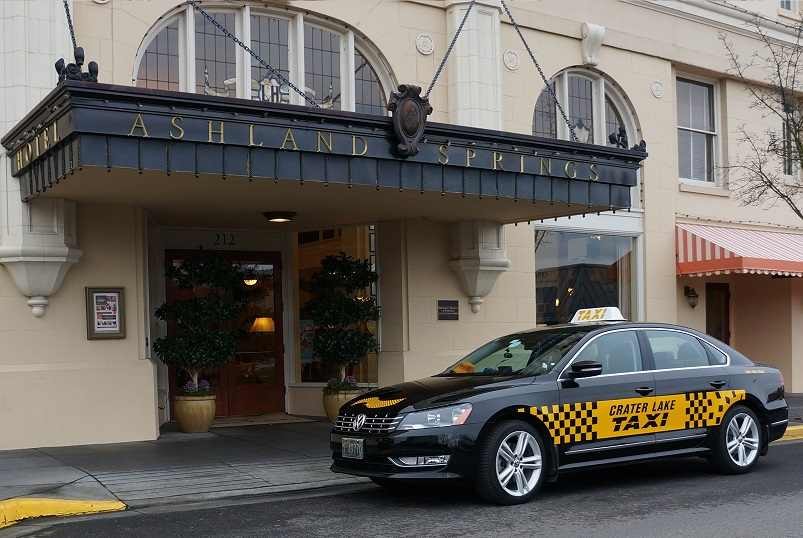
{"type": "Point", "coordinates": [604, 313]}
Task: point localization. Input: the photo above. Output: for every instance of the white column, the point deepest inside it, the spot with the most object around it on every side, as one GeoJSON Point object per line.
{"type": "Point", "coordinates": [474, 68]}
{"type": "Point", "coordinates": [479, 253]}
{"type": "Point", "coordinates": [38, 241]}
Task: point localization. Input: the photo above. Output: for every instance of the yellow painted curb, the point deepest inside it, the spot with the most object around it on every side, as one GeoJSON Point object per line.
{"type": "Point", "coordinates": [15, 510]}
{"type": "Point", "coordinates": [793, 432]}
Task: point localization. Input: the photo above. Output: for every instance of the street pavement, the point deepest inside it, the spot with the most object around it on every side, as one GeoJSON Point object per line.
{"type": "Point", "coordinates": [666, 498]}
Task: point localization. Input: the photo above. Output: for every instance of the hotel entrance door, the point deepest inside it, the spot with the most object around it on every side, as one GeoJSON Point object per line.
{"type": "Point", "coordinates": [252, 383]}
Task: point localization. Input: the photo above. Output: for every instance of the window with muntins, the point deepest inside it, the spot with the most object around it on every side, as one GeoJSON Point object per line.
{"type": "Point", "coordinates": [158, 68]}
{"type": "Point", "coordinates": [696, 130]}
{"type": "Point", "coordinates": [316, 54]}
{"type": "Point", "coordinates": [594, 106]}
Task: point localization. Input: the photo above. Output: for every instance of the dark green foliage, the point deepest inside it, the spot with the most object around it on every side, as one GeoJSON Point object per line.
{"type": "Point", "coordinates": [204, 331]}
{"type": "Point", "coordinates": [339, 312]}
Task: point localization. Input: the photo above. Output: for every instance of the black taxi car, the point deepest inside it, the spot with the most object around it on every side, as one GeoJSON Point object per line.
{"type": "Point", "coordinates": [527, 406]}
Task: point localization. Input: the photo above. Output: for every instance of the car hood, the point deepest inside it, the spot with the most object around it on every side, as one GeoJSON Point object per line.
{"type": "Point", "coordinates": [431, 392]}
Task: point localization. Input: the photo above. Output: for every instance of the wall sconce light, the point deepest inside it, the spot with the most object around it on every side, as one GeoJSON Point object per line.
{"type": "Point", "coordinates": [691, 296]}
{"type": "Point", "coordinates": [250, 281]}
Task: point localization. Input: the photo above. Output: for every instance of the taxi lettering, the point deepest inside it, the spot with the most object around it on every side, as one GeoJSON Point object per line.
{"type": "Point", "coordinates": [639, 422]}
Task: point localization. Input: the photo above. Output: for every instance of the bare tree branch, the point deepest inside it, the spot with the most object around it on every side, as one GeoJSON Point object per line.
{"type": "Point", "coordinates": [768, 172]}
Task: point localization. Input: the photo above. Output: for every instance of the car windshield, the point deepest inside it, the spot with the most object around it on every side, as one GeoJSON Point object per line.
{"type": "Point", "coordinates": [534, 353]}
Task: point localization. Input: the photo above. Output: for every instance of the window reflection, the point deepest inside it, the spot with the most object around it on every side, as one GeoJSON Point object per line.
{"type": "Point", "coordinates": [578, 270]}
{"type": "Point", "coordinates": [581, 108]}
{"type": "Point", "coordinates": [368, 95]}
{"type": "Point", "coordinates": [322, 66]}
{"type": "Point", "coordinates": [313, 245]}
{"type": "Point", "coordinates": [215, 57]}
{"type": "Point", "coordinates": [545, 119]}
{"type": "Point", "coordinates": [158, 68]}
{"type": "Point", "coordinates": [269, 39]}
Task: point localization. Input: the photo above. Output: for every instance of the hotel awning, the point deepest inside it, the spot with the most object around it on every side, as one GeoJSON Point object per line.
{"type": "Point", "coordinates": [704, 250]}
{"type": "Point", "coordinates": [201, 155]}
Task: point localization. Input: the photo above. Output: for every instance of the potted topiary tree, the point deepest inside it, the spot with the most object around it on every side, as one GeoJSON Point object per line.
{"type": "Point", "coordinates": [340, 311]}
{"type": "Point", "coordinates": [203, 333]}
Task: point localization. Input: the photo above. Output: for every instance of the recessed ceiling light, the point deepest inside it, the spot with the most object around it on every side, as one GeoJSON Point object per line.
{"type": "Point", "coordinates": [279, 216]}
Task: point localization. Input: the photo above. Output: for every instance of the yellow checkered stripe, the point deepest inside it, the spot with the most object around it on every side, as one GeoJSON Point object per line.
{"type": "Point", "coordinates": [569, 422]}
{"type": "Point", "coordinates": [376, 403]}
{"type": "Point", "coordinates": [706, 409]}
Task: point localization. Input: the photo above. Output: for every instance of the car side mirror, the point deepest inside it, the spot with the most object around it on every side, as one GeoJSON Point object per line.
{"type": "Point", "coordinates": [585, 369]}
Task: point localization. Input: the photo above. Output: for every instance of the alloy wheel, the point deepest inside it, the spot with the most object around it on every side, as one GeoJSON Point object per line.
{"type": "Point", "coordinates": [742, 439]}
{"type": "Point", "coordinates": [518, 463]}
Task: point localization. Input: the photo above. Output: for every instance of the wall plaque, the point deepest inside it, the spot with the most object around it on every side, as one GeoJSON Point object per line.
{"type": "Point", "coordinates": [448, 310]}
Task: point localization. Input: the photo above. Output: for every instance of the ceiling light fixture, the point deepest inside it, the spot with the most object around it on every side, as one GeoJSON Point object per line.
{"type": "Point", "coordinates": [279, 216]}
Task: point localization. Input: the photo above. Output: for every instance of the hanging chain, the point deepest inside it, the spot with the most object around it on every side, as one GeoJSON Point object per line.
{"type": "Point", "coordinates": [541, 72]}
{"type": "Point", "coordinates": [69, 24]}
{"type": "Point", "coordinates": [254, 55]}
{"type": "Point", "coordinates": [449, 49]}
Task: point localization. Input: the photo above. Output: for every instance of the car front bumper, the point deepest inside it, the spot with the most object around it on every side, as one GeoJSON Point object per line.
{"type": "Point", "coordinates": [457, 442]}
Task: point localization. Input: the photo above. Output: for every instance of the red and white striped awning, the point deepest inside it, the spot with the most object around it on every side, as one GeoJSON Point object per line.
{"type": "Point", "coordinates": [704, 250]}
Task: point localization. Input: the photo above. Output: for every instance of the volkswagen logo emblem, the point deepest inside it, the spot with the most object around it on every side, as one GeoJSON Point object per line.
{"type": "Point", "coordinates": [359, 422]}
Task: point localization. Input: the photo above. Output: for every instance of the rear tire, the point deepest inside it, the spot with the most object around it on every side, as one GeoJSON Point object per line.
{"type": "Point", "coordinates": [737, 441]}
{"type": "Point", "coordinates": [510, 466]}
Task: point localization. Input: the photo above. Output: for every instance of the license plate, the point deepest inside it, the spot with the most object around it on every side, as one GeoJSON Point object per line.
{"type": "Point", "coordinates": [351, 448]}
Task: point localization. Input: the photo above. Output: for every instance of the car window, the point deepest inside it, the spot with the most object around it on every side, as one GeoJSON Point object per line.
{"type": "Point", "coordinates": [617, 352]}
{"type": "Point", "coordinates": [715, 356]}
{"type": "Point", "coordinates": [672, 349]}
{"type": "Point", "coordinates": [534, 353]}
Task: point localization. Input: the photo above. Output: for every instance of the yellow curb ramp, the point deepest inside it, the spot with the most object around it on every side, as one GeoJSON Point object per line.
{"type": "Point", "coordinates": [793, 432]}
{"type": "Point", "coordinates": [15, 510]}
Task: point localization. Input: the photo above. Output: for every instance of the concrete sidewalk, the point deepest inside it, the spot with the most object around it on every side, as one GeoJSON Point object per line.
{"type": "Point", "coordinates": [227, 462]}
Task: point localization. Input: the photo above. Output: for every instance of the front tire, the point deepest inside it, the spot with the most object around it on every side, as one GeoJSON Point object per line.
{"type": "Point", "coordinates": [737, 443]}
{"type": "Point", "coordinates": [510, 465]}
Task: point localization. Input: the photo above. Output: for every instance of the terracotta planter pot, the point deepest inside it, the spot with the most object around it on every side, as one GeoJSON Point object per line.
{"type": "Point", "coordinates": [194, 414]}
{"type": "Point", "coordinates": [333, 401]}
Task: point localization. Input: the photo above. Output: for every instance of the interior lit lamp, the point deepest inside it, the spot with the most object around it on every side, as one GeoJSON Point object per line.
{"type": "Point", "coordinates": [262, 324]}
{"type": "Point", "coordinates": [250, 281]}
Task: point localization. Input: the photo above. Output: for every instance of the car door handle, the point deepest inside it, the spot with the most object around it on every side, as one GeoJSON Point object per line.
{"type": "Point", "coordinates": [644, 390]}
{"type": "Point", "coordinates": [718, 384]}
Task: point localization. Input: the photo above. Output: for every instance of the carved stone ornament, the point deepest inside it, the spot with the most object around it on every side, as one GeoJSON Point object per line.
{"type": "Point", "coordinates": [74, 71]}
{"type": "Point", "coordinates": [409, 111]}
{"type": "Point", "coordinates": [593, 35]}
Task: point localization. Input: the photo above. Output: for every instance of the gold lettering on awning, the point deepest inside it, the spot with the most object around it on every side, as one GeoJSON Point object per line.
{"type": "Point", "coordinates": [174, 124]}
{"type": "Point", "coordinates": [139, 123]}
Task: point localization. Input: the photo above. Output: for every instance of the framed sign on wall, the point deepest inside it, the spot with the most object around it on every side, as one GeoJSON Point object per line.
{"type": "Point", "coordinates": [105, 313]}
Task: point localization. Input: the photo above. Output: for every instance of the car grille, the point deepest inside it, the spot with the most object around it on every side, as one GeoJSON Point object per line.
{"type": "Point", "coordinates": [372, 424]}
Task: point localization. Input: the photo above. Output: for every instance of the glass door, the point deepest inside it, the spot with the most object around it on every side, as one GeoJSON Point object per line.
{"type": "Point", "coordinates": [252, 383]}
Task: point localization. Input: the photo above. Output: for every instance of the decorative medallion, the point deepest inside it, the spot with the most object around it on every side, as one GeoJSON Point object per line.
{"type": "Point", "coordinates": [424, 44]}
{"type": "Point", "coordinates": [409, 111]}
{"type": "Point", "coordinates": [511, 59]}
{"type": "Point", "coordinates": [74, 71]}
{"type": "Point", "coordinates": [657, 89]}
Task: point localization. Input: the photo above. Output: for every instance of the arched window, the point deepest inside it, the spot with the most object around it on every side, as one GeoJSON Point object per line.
{"type": "Point", "coordinates": [594, 105]}
{"type": "Point", "coordinates": [313, 53]}
{"type": "Point", "coordinates": [158, 67]}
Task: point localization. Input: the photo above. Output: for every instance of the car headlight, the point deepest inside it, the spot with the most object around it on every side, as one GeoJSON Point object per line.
{"type": "Point", "coordinates": [436, 418]}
